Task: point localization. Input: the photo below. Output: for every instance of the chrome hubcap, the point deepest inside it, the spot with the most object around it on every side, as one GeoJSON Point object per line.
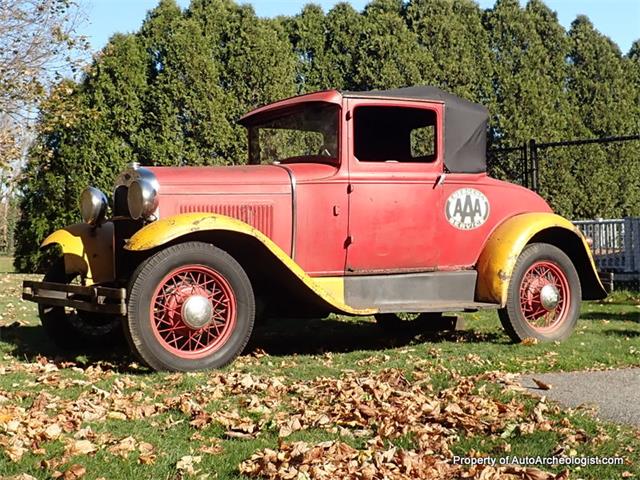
{"type": "Point", "coordinates": [549, 297]}
{"type": "Point", "coordinates": [197, 311]}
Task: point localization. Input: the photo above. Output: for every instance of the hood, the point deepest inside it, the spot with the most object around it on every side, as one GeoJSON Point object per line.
{"type": "Point", "coordinates": [223, 179]}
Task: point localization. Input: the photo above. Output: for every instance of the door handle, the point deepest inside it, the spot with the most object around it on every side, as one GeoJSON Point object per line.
{"type": "Point", "coordinates": [440, 180]}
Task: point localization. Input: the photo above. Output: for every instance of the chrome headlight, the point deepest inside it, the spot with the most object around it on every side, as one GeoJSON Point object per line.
{"type": "Point", "coordinates": [93, 205]}
{"type": "Point", "coordinates": [142, 199]}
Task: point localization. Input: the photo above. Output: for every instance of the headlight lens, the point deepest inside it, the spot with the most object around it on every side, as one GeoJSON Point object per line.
{"type": "Point", "coordinates": [142, 199]}
{"type": "Point", "coordinates": [93, 205]}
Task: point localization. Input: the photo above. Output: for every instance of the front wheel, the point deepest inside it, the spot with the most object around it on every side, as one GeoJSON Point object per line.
{"type": "Point", "coordinates": [191, 307]}
{"type": "Point", "coordinates": [71, 328]}
{"type": "Point", "coordinates": [544, 295]}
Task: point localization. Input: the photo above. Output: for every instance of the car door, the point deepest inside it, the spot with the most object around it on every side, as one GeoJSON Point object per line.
{"type": "Point", "coordinates": [394, 200]}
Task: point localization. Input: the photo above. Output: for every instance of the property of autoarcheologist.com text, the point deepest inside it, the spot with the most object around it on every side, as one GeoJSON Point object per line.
{"type": "Point", "coordinates": [538, 460]}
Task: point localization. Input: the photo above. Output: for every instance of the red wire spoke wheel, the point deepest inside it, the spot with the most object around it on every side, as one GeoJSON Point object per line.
{"type": "Point", "coordinates": [191, 307]}
{"type": "Point", "coordinates": [544, 295]}
{"type": "Point", "coordinates": [194, 311]}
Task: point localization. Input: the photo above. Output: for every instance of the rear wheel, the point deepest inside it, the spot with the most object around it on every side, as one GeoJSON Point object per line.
{"type": "Point", "coordinates": [71, 328]}
{"type": "Point", "coordinates": [191, 307]}
{"type": "Point", "coordinates": [544, 295]}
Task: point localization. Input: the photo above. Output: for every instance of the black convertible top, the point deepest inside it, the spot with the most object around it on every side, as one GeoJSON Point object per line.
{"type": "Point", "coordinates": [465, 125]}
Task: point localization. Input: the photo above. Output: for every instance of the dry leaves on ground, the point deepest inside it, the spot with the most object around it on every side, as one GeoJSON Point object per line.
{"type": "Point", "coordinates": [377, 411]}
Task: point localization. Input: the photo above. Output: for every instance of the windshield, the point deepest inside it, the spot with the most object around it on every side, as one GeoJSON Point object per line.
{"type": "Point", "coordinates": [306, 134]}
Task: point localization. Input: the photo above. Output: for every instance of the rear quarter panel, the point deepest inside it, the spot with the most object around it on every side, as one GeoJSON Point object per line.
{"type": "Point", "coordinates": [462, 248]}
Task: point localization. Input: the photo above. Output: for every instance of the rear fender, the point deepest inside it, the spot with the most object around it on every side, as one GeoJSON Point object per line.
{"type": "Point", "coordinates": [86, 249]}
{"type": "Point", "coordinates": [497, 260]}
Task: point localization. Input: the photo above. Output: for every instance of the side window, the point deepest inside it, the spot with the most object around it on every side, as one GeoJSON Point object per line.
{"type": "Point", "coordinates": [394, 134]}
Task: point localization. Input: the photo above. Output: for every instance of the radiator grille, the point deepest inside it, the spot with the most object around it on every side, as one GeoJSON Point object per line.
{"type": "Point", "coordinates": [258, 216]}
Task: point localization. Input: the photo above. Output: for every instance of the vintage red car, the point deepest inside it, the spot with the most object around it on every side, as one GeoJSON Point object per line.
{"type": "Point", "coordinates": [360, 203]}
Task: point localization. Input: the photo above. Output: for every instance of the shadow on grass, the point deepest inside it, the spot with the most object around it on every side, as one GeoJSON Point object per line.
{"type": "Point", "coordinates": [316, 336]}
{"type": "Point", "coordinates": [30, 342]}
{"type": "Point", "coordinates": [622, 333]}
{"type": "Point", "coordinates": [277, 337]}
{"type": "Point", "coordinates": [619, 316]}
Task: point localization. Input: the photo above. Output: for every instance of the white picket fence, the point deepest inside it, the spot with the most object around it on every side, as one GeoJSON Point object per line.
{"type": "Point", "coordinates": [616, 245]}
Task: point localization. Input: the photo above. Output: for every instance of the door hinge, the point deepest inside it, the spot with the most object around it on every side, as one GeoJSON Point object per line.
{"type": "Point", "coordinates": [348, 241]}
{"type": "Point", "coordinates": [349, 188]}
{"type": "Point", "coordinates": [347, 116]}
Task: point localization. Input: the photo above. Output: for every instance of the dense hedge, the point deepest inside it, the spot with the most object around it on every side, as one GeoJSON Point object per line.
{"type": "Point", "coordinates": [170, 93]}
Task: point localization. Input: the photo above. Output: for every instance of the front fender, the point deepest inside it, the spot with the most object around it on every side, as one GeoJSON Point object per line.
{"type": "Point", "coordinates": [161, 232]}
{"type": "Point", "coordinates": [87, 250]}
{"type": "Point", "coordinates": [497, 260]}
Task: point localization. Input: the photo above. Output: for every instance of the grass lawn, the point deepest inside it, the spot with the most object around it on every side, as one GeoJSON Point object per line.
{"type": "Point", "coordinates": [310, 398]}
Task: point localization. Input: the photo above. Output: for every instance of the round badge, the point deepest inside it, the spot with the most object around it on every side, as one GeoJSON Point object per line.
{"type": "Point", "coordinates": [467, 208]}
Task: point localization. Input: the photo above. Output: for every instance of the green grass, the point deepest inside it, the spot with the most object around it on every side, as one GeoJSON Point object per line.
{"type": "Point", "coordinates": [298, 352]}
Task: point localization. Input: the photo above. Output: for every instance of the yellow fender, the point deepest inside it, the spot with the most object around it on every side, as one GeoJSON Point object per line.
{"type": "Point", "coordinates": [160, 232]}
{"type": "Point", "coordinates": [87, 250]}
{"type": "Point", "coordinates": [497, 260]}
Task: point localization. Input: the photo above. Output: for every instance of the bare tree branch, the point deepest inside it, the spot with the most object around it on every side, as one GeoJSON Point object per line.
{"type": "Point", "coordinates": [38, 45]}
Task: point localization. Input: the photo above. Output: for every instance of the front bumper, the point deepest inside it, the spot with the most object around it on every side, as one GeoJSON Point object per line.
{"type": "Point", "coordinates": [94, 298]}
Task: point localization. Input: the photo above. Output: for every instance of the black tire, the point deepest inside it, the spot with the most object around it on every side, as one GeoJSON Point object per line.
{"type": "Point", "coordinates": [72, 328]}
{"type": "Point", "coordinates": [143, 336]}
{"type": "Point", "coordinates": [512, 317]}
{"type": "Point", "coordinates": [403, 322]}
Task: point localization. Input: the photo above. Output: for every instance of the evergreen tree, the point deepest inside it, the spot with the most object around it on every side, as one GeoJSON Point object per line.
{"type": "Point", "coordinates": [344, 29]}
{"type": "Point", "coordinates": [308, 36]}
{"type": "Point", "coordinates": [385, 56]}
{"type": "Point", "coordinates": [603, 93]}
{"type": "Point", "coordinates": [185, 119]}
{"type": "Point", "coordinates": [452, 47]}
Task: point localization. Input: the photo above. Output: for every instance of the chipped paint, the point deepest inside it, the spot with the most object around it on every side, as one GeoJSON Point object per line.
{"type": "Point", "coordinates": [503, 276]}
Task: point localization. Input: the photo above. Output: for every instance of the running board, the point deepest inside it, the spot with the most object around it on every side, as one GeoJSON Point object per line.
{"type": "Point", "coordinates": [448, 291]}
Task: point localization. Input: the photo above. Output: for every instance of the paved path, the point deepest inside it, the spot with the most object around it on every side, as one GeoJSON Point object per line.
{"type": "Point", "coordinates": [615, 393]}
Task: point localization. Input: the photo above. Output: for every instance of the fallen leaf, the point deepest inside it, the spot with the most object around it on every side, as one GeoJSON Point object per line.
{"type": "Point", "coordinates": [186, 464]}
{"type": "Point", "coordinates": [74, 472]}
{"type": "Point", "coordinates": [53, 431]}
{"type": "Point", "coordinates": [80, 447]}
{"type": "Point", "coordinates": [124, 447]}
{"type": "Point", "coordinates": [542, 385]}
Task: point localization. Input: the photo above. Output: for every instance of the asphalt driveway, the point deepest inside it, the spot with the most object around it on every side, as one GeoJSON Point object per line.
{"type": "Point", "coordinates": [615, 393]}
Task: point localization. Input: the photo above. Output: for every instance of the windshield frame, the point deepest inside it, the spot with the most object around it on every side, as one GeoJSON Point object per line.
{"type": "Point", "coordinates": [263, 119]}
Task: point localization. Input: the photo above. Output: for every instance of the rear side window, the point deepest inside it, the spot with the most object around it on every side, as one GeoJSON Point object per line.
{"type": "Point", "coordinates": [388, 134]}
